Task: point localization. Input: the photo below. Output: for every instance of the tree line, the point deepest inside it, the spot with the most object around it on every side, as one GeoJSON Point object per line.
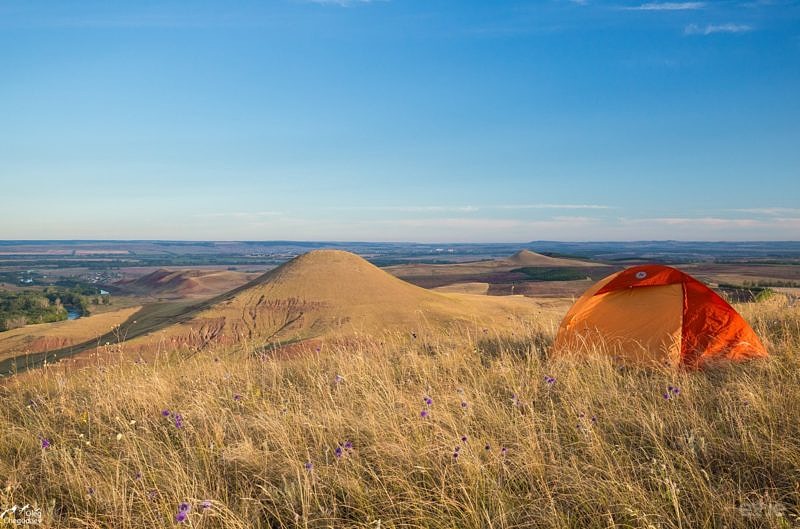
{"type": "Point", "coordinates": [25, 307]}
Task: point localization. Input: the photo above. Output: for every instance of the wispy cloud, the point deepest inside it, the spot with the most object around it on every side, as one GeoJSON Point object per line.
{"type": "Point", "coordinates": [769, 211]}
{"type": "Point", "coordinates": [489, 223]}
{"type": "Point", "coordinates": [667, 6]}
{"type": "Point", "coordinates": [455, 222]}
{"type": "Point", "coordinates": [470, 209]}
{"type": "Point", "coordinates": [409, 209]}
{"type": "Point", "coordinates": [716, 222]}
{"type": "Point", "coordinates": [710, 29]}
{"type": "Point", "coordinates": [762, 3]}
{"type": "Point", "coordinates": [344, 3]}
{"type": "Point", "coordinates": [240, 214]}
{"type": "Point", "coordinates": [549, 206]}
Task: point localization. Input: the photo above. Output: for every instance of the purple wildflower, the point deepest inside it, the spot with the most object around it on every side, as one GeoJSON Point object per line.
{"type": "Point", "coordinates": [549, 380]}
{"type": "Point", "coordinates": [676, 391]}
{"type": "Point", "coordinates": [464, 404]}
{"type": "Point", "coordinates": [178, 420]}
{"type": "Point", "coordinates": [45, 443]}
{"type": "Point", "coordinates": [205, 504]}
{"type": "Point", "coordinates": [428, 400]}
{"type": "Point", "coordinates": [423, 413]}
{"type": "Point", "coordinates": [487, 447]}
{"type": "Point", "coordinates": [338, 452]}
{"type": "Point", "coordinates": [165, 413]}
{"type": "Point", "coordinates": [457, 449]}
{"type": "Point", "coordinates": [348, 445]}
{"type": "Point", "coordinates": [666, 396]}
{"type": "Point", "coordinates": [309, 465]}
{"type": "Point", "coordinates": [594, 419]}
{"type": "Point", "coordinates": [463, 438]}
{"type": "Point", "coordinates": [237, 397]}
{"type": "Point", "coordinates": [503, 451]}
{"type": "Point", "coordinates": [180, 517]}
{"type": "Point", "coordinates": [90, 490]}
{"type": "Point", "coordinates": [184, 506]}
{"type": "Point", "coordinates": [455, 455]}
{"type": "Point", "coordinates": [338, 379]}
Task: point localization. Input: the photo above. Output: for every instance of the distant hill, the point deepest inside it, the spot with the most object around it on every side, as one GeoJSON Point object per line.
{"type": "Point", "coordinates": [525, 258]}
{"type": "Point", "coordinates": [334, 293]}
{"type": "Point", "coordinates": [184, 283]}
{"type": "Point", "coordinates": [491, 271]}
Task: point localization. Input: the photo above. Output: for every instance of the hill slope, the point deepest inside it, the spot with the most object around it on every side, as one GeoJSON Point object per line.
{"type": "Point", "coordinates": [184, 283]}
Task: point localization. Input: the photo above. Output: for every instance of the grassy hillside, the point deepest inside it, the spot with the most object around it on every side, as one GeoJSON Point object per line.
{"type": "Point", "coordinates": [454, 431]}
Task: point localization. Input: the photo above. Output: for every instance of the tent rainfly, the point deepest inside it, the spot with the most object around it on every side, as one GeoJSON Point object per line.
{"type": "Point", "coordinates": [655, 314]}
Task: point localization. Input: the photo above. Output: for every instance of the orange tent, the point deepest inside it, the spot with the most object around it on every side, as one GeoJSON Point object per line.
{"type": "Point", "coordinates": [655, 314]}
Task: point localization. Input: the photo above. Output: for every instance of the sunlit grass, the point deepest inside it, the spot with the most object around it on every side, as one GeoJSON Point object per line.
{"type": "Point", "coordinates": [547, 443]}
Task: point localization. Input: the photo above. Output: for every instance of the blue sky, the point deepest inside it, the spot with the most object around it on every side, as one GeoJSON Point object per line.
{"type": "Point", "coordinates": [400, 120]}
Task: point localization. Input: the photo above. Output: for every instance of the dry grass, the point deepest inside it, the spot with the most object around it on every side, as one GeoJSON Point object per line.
{"type": "Point", "coordinates": [599, 447]}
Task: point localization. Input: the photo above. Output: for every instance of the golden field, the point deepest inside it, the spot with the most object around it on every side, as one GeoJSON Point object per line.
{"type": "Point", "coordinates": [344, 436]}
